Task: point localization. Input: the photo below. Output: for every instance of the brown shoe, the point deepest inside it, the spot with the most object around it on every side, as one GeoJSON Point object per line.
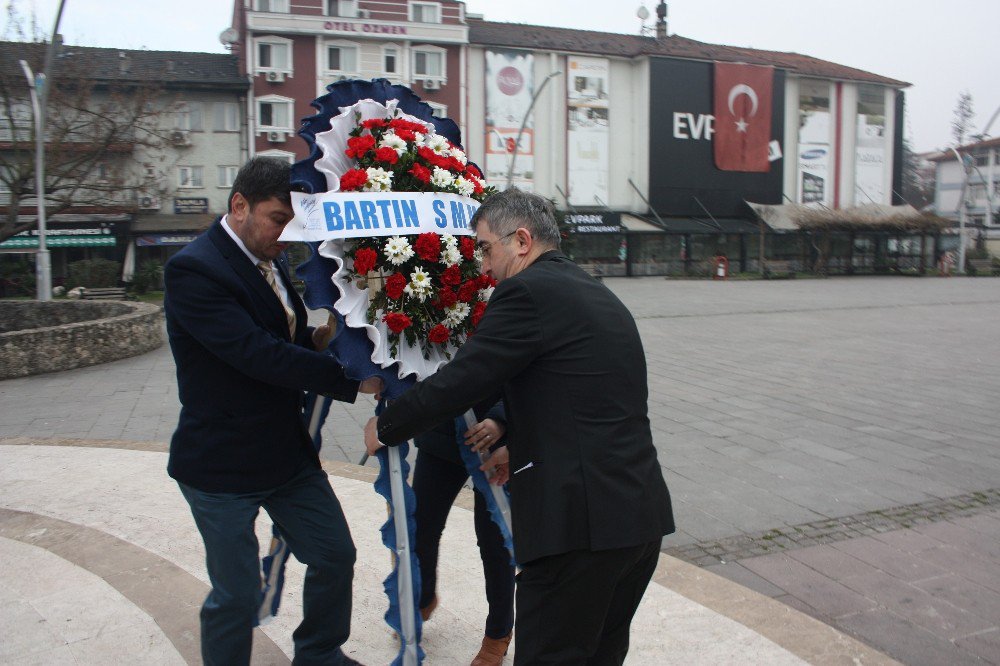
{"type": "Point", "coordinates": [425, 612]}
{"type": "Point", "coordinates": [493, 650]}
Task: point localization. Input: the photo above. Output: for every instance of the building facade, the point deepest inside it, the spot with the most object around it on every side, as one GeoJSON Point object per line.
{"type": "Point", "coordinates": [970, 189]}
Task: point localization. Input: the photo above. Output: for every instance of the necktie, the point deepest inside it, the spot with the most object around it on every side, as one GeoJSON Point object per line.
{"type": "Point", "coordinates": [268, 272]}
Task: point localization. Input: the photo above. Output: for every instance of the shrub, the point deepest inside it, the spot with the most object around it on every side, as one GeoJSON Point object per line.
{"type": "Point", "coordinates": [94, 273]}
{"type": "Point", "coordinates": [149, 276]}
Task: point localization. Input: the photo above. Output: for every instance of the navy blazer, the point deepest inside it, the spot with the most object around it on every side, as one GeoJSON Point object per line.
{"type": "Point", "coordinates": [566, 355]}
{"type": "Point", "coordinates": [240, 376]}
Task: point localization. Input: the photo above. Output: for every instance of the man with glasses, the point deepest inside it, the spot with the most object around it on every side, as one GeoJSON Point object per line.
{"type": "Point", "coordinates": [588, 500]}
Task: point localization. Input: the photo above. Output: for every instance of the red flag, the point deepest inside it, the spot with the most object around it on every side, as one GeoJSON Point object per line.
{"type": "Point", "coordinates": [742, 116]}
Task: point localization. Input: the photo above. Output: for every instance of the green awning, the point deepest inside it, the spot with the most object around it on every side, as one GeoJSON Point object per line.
{"type": "Point", "coordinates": [31, 242]}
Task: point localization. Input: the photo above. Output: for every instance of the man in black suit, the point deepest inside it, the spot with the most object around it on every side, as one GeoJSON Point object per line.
{"type": "Point", "coordinates": [588, 500]}
{"type": "Point", "coordinates": [244, 354]}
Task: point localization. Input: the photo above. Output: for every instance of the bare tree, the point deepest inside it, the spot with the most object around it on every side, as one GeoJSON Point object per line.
{"type": "Point", "coordinates": [97, 122]}
{"type": "Point", "coordinates": [961, 126]}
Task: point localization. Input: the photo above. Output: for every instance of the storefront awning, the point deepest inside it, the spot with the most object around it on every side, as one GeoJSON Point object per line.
{"type": "Point", "coordinates": [31, 242]}
{"type": "Point", "coordinates": [703, 225]}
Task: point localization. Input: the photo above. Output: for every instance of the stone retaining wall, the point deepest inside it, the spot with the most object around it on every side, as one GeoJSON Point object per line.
{"type": "Point", "coordinates": [61, 335]}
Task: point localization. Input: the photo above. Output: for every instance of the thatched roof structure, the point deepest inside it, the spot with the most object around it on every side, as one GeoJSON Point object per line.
{"type": "Point", "coordinates": [869, 217]}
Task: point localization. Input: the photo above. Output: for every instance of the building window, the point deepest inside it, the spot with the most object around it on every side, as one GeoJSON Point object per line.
{"type": "Point", "coordinates": [981, 159]}
{"type": "Point", "coordinates": [274, 113]}
{"type": "Point", "coordinates": [438, 110]}
{"type": "Point", "coordinates": [188, 117]}
{"type": "Point", "coordinates": [342, 58]}
{"type": "Point", "coordinates": [227, 174]}
{"type": "Point", "coordinates": [227, 117]}
{"type": "Point", "coordinates": [344, 8]}
{"type": "Point", "coordinates": [425, 12]}
{"type": "Point", "coordinates": [272, 6]}
{"type": "Point", "coordinates": [282, 155]}
{"type": "Point", "coordinates": [428, 64]}
{"type": "Point", "coordinates": [189, 177]}
{"type": "Point", "coordinates": [390, 58]}
{"type": "Point", "coordinates": [977, 192]}
{"type": "Point", "coordinates": [273, 54]}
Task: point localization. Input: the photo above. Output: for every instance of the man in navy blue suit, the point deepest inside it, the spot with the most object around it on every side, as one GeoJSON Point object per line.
{"type": "Point", "coordinates": [244, 355]}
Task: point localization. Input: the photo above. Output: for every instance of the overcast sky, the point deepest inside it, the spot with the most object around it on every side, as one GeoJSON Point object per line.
{"type": "Point", "coordinates": [941, 48]}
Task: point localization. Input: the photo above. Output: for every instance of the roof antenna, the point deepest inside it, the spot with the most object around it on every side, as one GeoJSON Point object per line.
{"type": "Point", "coordinates": [661, 20]}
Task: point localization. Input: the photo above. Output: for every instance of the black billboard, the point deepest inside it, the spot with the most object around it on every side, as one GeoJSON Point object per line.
{"type": "Point", "coordinates": [682, 169]}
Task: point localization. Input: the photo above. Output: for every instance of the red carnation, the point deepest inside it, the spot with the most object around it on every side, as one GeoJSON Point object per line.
{"type": "Point", "coordinates": [374, 123]}
{"type": "Point", "coordinates": [386, 155]}
{"type": "Point", "coordinates": [364, 260]}
{"type": "Point", "coordinates": [394, 285]}
{"type": "Point", "coordinates": [474, 170]}
{"type": "Point", "coordinates": [397, 322]}
{"type": "Point", "coordinates": [439, 334]}
{"type": "Point", "coordinates": [467, 247]}
{"type": "Point", "coordinates": [428, 246]}
{"type": "Point", "coordinates": [421, 173]}
{"type": "Point", "coordinates": [467, 291]}
{"type": "Point", "coordinates": [477, 312]}
{"type": "Point", "coordinates": [477, 187]}
{"type": "Point", "coordinates": [486, 281]}
{"type": "Point", "coordinates": [455, 165]}
{"type": "Point", "coordinates": [451, 276]}
{"type": "Point", "coordinates": [406, 135]}
{"type": "Point", "coordinates": [403, 124]}
{"type": "Point", "coordinates": [357, 146]}
{"type": "Point", "coordinates": [431, 157]}
{"type": "Point", "coordinates": [445, 299]}
{"type": "Point", "coordinates": [353, 179]}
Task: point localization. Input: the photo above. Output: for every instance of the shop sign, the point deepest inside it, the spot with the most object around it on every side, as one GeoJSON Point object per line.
{"type": "Point", "coordinates": [595, 223]}
{"type": "Point", "coordinates": [190, 205]}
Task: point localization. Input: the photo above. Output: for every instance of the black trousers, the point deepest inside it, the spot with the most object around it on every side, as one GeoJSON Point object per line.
{"type": "Point", "coordinates": [576, 607]}
{"type": "Point", "coordinates": [436, 483]}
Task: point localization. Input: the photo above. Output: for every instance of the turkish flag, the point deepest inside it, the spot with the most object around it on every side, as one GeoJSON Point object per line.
{"type": "Point", "coordinates": [742, 116]}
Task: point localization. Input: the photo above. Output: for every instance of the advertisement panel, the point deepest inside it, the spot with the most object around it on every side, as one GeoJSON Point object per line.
{"type": "Point", "coordinates": [509, 88]}
{"type": "Point", "coordinates": [815, 180]}
{"type": "Point", "coordinates": [870, 149]}
{"type": "Point", "coordinates": [587, 129]}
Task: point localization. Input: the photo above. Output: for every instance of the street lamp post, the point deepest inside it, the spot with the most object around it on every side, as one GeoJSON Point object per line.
{"type": "Point", "coordinates": [524, 122]}
{"type": "Point", "coordinates": [38, 89]}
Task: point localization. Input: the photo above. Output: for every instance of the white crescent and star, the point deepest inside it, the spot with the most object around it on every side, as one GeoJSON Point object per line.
{"type": "Point", "coordinates": [734, 93]}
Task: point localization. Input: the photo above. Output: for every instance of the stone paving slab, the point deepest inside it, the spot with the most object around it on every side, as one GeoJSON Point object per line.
{"type": "Point", "coordinates": [112, 519]}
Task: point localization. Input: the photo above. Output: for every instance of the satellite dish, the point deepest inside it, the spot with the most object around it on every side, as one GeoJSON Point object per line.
{"type": "Point", "coordinates": [642, 13]}
{"type": "Point", "coordinates": [229, 36]}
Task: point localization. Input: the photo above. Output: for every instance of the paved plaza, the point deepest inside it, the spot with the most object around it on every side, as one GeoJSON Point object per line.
{"type": "Point", "coordinates": [829, 444]}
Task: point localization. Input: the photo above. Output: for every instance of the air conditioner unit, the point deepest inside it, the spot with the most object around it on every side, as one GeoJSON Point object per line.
{"type": "Point", "coordinates": [364, 13]}
{"type": "Point", "coordinates": [276, 137]}
{"type": "Point", "coordinates": [276, 77]}
{"type": "Point", "coordinates": [180, 138]}
{"type": "Point", "coordinates": [432, 84]}
{"type": "Point", "coordinates": [149, 203]}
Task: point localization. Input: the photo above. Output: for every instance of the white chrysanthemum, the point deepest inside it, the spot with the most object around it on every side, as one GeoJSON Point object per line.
{"type": "Point", "coordinates": [484, 294]}
{"type": "Point", "coordinates": [458, 154]}
{"type": "Point", "coordinates": [418, 138]}
{"type": "Point", "coordinates": [437, 143]}
{"type": "Point", "coordinates": [379, 180]}
{"type": "Point", "coordinates": [419, 286]}
{"type": "Point", "coordinates": [478, 254]}
{"type": "Point", "coordinates": [449, 240]}
{"type": "Point", "coordinates": [441, 177]}
{"type": "Point", "coordinates": [390, 140]}
{"type": "Point", "coordinates": [450, 255]}
{"type": "Point", "coordinates": [456, 314]}
{"type": "Point", "coordinates": [397, 250]}
{"type": "Point", "coordinates": [465, 187]}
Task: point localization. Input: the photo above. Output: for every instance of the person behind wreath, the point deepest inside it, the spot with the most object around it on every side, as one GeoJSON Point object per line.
{"type": "Point", "coordinates": [244, 355]}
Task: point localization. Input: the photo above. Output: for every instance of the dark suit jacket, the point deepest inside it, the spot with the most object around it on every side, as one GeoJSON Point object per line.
{"type": "Point", "coordinates": [566, 354]}
{"type": "Point", "coordinates": [239, 376]}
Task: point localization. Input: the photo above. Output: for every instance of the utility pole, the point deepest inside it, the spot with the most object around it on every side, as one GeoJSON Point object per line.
{"type": "Point", "coordinates": [524, 122]}
{"type": "Point", "coordinates": [39, 91]}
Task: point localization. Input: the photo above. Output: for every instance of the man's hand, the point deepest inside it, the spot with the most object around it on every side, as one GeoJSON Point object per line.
{"type": "Point", "coordinates": [324, 333]}
{"type": "Point", "coordinates": [484, 434]}
{"type": "Point", "coordinates": [499, 462]}
{"type": "Point", "coordinates": [372, 385]}
{"type": "Point", "coordinates": [371, 436]}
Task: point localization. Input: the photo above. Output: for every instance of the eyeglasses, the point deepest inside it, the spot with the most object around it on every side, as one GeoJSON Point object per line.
{"type": "Point", "coordinates": [485, 247]}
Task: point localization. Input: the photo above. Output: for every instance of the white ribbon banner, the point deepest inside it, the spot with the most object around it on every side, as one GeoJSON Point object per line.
{"type": "Point", "coordinates": [338, 215]}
